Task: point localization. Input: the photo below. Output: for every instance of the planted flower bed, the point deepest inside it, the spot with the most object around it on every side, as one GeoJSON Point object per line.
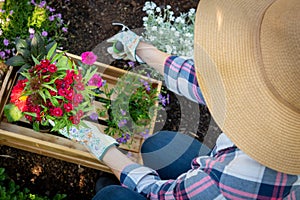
{"type": "Point", "coordinates": [20, 127]}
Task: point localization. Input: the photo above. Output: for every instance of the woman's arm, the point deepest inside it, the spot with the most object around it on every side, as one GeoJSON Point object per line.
{"type": "Point", "coordinates": [152, 56]}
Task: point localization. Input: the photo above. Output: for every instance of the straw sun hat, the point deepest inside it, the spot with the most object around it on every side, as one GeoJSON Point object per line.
{"type": "Point", "coordinates": [247, 56]}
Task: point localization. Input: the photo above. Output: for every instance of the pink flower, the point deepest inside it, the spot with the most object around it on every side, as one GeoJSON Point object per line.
{"type": "Point", "coordinates": [88, 58]}
{"type": "Point", "coordinates": [96, 80]}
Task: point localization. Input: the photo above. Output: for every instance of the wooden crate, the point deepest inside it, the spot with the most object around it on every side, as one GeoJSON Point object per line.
{"type": "Point", "coordinates": [22, 137]}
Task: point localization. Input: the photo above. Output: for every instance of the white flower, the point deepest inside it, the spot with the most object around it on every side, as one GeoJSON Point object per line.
{"type": "Point", "coordinates": [169, 33]}
{"type": "Point", "coordinates": [1, 32]}
{"type": "Point", "coordinates": [149, 12]}
{"type": "Point", "coordinates": [159, 20]}
{"type": "Point", "coordinates": [145, 19]}
{"type": "Point", "coordinates": [149, 5]}
{"type": "Point", "coordinates": [168, 49]}
{"type": "Point", "coordinates": [31, 30]}
{"type": "Point", "coordinates": [154, 28]}
{"type": "Point", "coordinates": [192, 12]}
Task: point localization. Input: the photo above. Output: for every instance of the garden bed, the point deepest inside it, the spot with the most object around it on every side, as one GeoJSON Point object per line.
{"type": "Point", "coordinates": [20, 135]}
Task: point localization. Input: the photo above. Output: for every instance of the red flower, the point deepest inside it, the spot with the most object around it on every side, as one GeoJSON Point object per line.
{"type": "Point", "coordinates": [52, 93]}
{"type": "Point", "coordinates": [57, 112]}
{"type": "Point", "coordinates": [68, 107]}
{"type": "Point", "coordinates": [45, 63]}
{"type": "Point", "coordinates": [52, 68]}
{"type": "Point", "coordinates": [74, 119]}
{"type": "Point", "coordinates": [62, 92]}
{"type": "Point", "coordinates": [69, 94]}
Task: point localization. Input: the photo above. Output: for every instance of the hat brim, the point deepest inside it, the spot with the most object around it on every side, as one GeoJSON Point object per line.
{"type": "Point", "coordinates": [229, 71]}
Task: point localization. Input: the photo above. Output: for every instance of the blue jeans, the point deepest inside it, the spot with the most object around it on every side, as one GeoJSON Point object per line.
{"type": "Point", "coordinates": [169, 153]}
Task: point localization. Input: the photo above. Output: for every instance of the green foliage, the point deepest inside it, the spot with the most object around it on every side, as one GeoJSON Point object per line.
{"type": "Point", "coordinates": [22, 18]}
{"type": "Point", "coordinates": [133, 108]}
{"type": "Point", "coordinates": [9, 190]}
{"type": "Point", "coordinates": [30, 50]}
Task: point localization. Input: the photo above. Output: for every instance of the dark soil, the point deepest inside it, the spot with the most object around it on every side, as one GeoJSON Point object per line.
{"type": "Point", "coordinates": [90, 23]}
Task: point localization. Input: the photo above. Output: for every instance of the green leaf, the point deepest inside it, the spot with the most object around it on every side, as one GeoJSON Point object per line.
{"type": "Point", "coordinates": [62, 63]}
{"type": "Point", "coordinates": [50, 45]}
{"type": "Point", "coordinates": [36, 126]}
{"type": "Point", "coordinates": [38, 49]}
{"type": "Point", "coordinates": [49, 87]}
{"type": "Point", "coordinates": [35, 60]}
{"type": "Point", "coordinates": [54, 102]}
{"type": "Point", "coordinates": [57, 57]}
{"type": "Point", "coordinates": [12, 113]}
{"type": "Point", "coordinates": [30, 114]}
{"type": "Point", "coordinates": [51, 51]}
{"type": "Point", "coordinates": [42, 95]}
{"type": "Point", "coordinates": [15, 61]}
{"type": "Point", "coordinates": [21, 44]}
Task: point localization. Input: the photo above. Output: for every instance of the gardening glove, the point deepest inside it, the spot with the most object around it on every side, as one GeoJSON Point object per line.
{"type": "Point", "coordinates": [124, 45]}
{"type": "Point", "coordinates": [91, 137]}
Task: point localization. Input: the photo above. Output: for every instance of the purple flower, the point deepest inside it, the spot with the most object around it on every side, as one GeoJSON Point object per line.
{"type": "Point", "coordinates": [96, 80]}
{"type": "Point", "coordinates": [94, 116]}
{"type": "Point", "coordinates": [123, 112]}
{"type": "Point", "coordinates": [124, 138]}
{"type": "Point", "coordinates": [64, 29]}
{"type": "Point", "coordinates": [42, 4]}
{"type": "Point", "coordinates": [31, 36]}
{"type": "Point", "coordinates": [145, 134]}
{"type": "Point", "coordinates": [7, 51]}
{"type": "Point", "coordinates": [146, 84]}
{"type": "Point", "coordinates": [131, 64]}
{"type": "Point", "coordinates": [33, 2]}
{"type": "Point", "coordinates": [50, 9]}
{"type": "Point", "coordinates": [122, 123]}
{"type": "Point", "coordinates": [6, 42]}
{"type": "Point", "coordinates": [44, 33]}
{"type": "Point", "coordinates": [51, 18]}
{"type": "Point", "coordinates": [11, 12]}
{"type": "Point", "coordinates": [58, 16]}
{"type": "Point", "coordinates": [163, 100]}
{"type": "Point", "coordinates": [2, 54]}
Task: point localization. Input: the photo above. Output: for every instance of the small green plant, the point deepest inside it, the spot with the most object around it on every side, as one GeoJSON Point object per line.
{"type": "Point", "coordinates": [9, 190]}
{"type": "Point", "coordinates": [180, 29]}
{"type": "Point", "coordinates": [133, 108]}
{"type": "Point", "coordinates": [21, 19]}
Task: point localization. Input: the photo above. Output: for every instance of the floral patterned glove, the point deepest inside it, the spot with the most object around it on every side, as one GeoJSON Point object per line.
{"type": "Point", "coordinates": [91, 137]}
{"type": "Point", "coordinates": [124, 46]}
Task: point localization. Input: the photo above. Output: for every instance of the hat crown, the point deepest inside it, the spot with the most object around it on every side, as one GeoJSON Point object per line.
{"type": "Point", "coordinates": [280, 46]}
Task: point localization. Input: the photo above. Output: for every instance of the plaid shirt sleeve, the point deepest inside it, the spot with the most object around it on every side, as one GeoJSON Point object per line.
{"type": "Point", "coordinates": [180, 77]}
{"type": "Point", "coordinates": [227, 173]}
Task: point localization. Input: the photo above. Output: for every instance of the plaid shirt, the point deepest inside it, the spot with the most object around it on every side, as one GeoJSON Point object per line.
{"type": "Point", "coordinates": [228, 173]}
